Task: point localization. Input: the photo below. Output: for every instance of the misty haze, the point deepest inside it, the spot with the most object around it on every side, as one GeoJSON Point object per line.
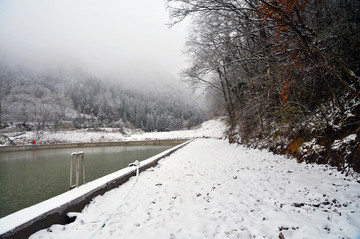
{"type": "Point", "coordinates": [91, 64]}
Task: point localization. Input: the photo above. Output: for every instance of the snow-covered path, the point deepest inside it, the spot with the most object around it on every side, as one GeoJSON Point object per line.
{"type": "Point", "coordinates": [210, 189]}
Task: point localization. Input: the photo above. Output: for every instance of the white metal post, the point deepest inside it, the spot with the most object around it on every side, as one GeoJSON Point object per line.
{"type": "Point", "coordinates": [77, 169]}
{"type": "Point", "coordinates": [83, 166]}
{"type": "Point", "coordinates": [71, 163]}
{"type": "Point", "coordinates": [76, 157]}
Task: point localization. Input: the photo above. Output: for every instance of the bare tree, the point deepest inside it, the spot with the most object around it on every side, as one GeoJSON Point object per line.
{"type": "Point", "coordinates": [274, 62]}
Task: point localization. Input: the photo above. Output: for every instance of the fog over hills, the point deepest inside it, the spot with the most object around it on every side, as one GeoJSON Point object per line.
{"type": "Point", "coordinates": [48, 99]}
{"type": "Point", "coordinates": [94, 63]}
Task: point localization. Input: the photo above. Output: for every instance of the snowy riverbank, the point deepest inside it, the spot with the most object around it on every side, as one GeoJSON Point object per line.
{"type": "Point", "coordinates": [210, 189]}
{"type": "Point", "coordinates": [211, 128]}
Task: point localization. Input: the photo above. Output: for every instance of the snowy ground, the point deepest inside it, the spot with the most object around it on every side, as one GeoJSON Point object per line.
{"type": "Point", "coordinates": [210, 189]}
{"type": "Point", "coordinates": [208, 129]}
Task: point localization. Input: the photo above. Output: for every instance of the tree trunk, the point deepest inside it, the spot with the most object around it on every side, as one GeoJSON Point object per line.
{"type": "Point", "coordinates": [257, 106]}
{"type": "Point", "coordinates": [229, 107]}
{"type": "Point", "coordinates": [337, 101]}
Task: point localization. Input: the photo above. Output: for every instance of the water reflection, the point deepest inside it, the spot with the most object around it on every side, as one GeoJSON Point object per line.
{"type": "Point", "coordinates": [29, 177]}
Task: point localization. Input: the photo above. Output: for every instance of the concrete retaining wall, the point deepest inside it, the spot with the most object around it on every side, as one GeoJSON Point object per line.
{"type": "Point", "coordinates": [24, 223]}
{"type": "Point", "coordinates": [100, 144]}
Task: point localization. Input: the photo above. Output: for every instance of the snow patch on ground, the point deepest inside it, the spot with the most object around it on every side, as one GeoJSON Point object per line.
{"type": "Point", "coordinates": [339, 143]}
{"type": "Point", "coordinates": [211, 128]}
{"type": "Point", "coordinates": [311, 147]}
{"type": "Point", "coordinates": [211, 189]}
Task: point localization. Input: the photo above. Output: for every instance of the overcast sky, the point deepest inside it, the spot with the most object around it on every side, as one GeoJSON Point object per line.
{"type": "Point", "coordinates": [116, 38]}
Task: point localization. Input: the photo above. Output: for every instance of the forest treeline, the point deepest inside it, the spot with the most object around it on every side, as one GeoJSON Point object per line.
{"type": "Point", "coordinates": [46, 100]}
{"type": "Point", "coordinates": [285, 72]}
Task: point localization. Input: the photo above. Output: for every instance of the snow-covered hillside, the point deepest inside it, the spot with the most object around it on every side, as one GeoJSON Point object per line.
{"type": "Point", "coordinates": [211, 128]}
{"type": "Point", "coordinates": [211, 189]}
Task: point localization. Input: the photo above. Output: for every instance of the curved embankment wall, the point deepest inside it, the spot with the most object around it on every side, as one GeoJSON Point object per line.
{"type": "Point", "coordinates": [100, 144]}
{"type": "Point", "coordinates": [25, 222]}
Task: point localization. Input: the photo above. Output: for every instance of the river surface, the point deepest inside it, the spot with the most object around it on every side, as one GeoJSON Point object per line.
{"type": "Point", "coordinates": [30, 177]}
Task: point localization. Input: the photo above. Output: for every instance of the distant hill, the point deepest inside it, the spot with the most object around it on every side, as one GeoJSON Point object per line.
{"type": "Point", "coordinates": [48, 99]}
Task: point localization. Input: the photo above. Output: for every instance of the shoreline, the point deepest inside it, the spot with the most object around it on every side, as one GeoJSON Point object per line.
{"type": "Point", "coordinates": [91, 144]}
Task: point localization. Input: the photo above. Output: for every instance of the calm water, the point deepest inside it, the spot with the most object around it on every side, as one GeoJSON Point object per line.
{"type": "Point", "coordinates": [30, 177]}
